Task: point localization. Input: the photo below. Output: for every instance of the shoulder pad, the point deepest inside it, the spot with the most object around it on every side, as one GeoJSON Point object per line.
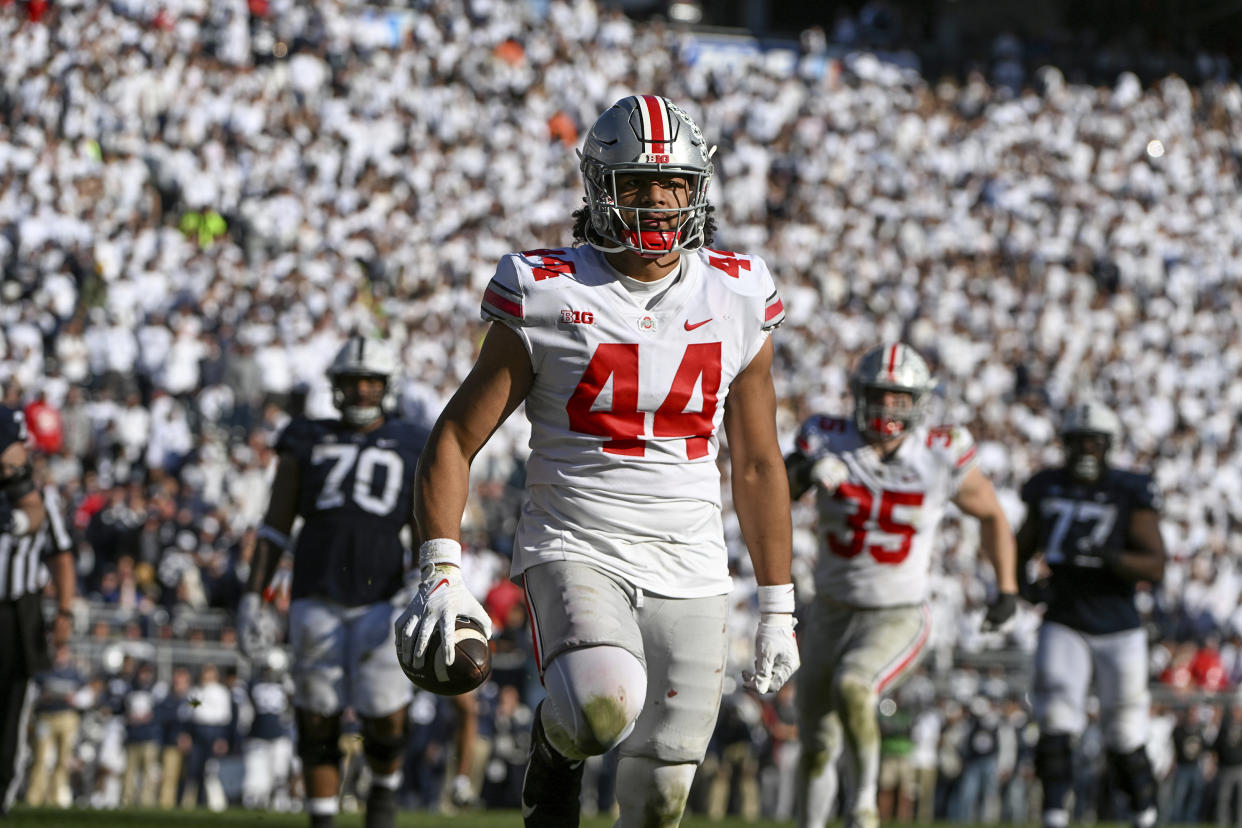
{"type": "Point", "coordinates": [749, 276]}
{"type": "Point", "coordinates": [298, 435]}
{"type": "Point", "coordinates": [955, 443]}
{"type": "Point", "coordinates": [1142, 488]}
{"type": "Point", "coordinates": [503, 299]}
{"type": "Point", "coordinates": [819, 433]}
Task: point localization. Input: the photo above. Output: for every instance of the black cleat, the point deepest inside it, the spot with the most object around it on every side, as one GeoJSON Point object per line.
{"type": "Point", "coordinates": [552, 787]}
{"type": "Point", "coordinates": [381, 808]}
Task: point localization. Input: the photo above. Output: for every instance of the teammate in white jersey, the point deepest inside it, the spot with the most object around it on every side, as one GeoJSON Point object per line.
{"type": "Point", "coordinates": [630, 351]}
{"type": "Point", "coordinates": [883, 481]}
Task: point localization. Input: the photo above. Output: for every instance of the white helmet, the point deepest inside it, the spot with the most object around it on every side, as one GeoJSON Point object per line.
{"type": "Point", "coordinates": [1086, 420]}
{"type": "Point", "coordinates": [360, 357]}
{"type": "Point", "coordinates": [644, 134]}
{"type": "Point", "coordinates": [893, 366]}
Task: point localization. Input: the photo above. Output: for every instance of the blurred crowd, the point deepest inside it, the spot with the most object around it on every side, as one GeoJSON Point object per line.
{"type": "Point", "coordinates": [199, 201]}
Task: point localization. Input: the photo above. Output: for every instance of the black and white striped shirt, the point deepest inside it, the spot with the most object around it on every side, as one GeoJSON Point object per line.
{"type": "Point", "coordinates": [22, 567]}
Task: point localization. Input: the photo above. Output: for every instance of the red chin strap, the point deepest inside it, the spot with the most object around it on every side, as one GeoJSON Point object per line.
{"type": "Point", "coordinates": [653, 243]}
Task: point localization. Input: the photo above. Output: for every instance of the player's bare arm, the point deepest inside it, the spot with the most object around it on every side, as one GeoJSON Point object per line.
{"type": "Point", "coordinates": [760, 485]}
{"type": "Point", "coordinates": [977, 497]}
{"type": "Point", "coordinates": [16, 478]}
{"type": "Point", "coordinates": [1143, 559]}
{"type": "Point", "coordinates": [282, 509]}
{"type": "Point", "coordinates": [499, 381]}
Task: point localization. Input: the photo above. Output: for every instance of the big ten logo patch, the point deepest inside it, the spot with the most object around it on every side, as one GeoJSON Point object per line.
{"type": "Point", "coordinates": [573, 317]}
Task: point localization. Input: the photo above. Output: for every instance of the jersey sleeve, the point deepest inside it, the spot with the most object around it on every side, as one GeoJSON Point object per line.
{"type": "Point", "coordinates": [1144, 492]}
{"type": "Point", "coordinates": [298, 437]}
{"type": "Point", "coordinates": [815, 437]}
{"type": "Point", "coordinates": [12, 426]}
{"type": "Point", "coordinates": [957, 448]}
{"type": "Point", "coordinates": [504, 300]}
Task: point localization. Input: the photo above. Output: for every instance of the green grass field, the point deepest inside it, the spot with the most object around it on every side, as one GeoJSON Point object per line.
{"type": "Point", "coordinates": [47, 818]}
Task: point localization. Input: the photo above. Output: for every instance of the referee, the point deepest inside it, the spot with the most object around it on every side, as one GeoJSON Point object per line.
{"type": "Point", "coordinates": [32, 531]}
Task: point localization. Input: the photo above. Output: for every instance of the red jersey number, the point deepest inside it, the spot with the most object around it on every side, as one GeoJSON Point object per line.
{"type": "Point", "coordinates": [895, 536]}
{"type": "Point", "coordinates": [623, 423]}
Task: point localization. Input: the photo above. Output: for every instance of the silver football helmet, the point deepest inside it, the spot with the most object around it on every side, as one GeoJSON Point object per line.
{"type": "Point", "coordinates": [360, 357]}
{"type": "Point", "coordinates": [893, 366]}
{"type": "Point", "coordinates": [644, 134]}
{"type": "Point", "coordinates": [1088, 430]}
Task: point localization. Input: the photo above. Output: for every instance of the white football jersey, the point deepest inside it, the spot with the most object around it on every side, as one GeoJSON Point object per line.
{"type": "Point", "coordinates": [629, 400]}
{"type": "Point", "coordinates": [877, 529]}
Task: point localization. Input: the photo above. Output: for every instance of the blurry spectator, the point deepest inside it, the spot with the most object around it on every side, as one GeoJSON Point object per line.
{"type": "Point", "coordinates": [897, 783]}
{"type": "Point", "coordinates": [1228, 750]}
{"type": "Point", "coordinates": [1189, 782]}
{"type": "Point", "coordinates": [210, 717]}
{"type": "Point", "coordinates": [511, 720]}
{"type": "Point", "coordinates": [56, 724]}
{"type": "Point", "coordinates": [142, 741]}
{"type": "Point", "coordinates": [175, 715]}
{"type": "Point", "coordinates": [733, 759]}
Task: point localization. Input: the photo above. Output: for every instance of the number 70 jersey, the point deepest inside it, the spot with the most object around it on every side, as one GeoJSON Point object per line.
{"type": "Point", "coordinates": [877, 530]}
{"type": "Point", "coordinates": [629, 398]}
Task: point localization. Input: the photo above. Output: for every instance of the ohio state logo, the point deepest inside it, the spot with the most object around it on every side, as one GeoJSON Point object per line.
{"type": "Point", "coordinates": [647, 323]}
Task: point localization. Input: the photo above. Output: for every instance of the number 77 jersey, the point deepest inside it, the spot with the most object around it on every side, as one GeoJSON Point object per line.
{"type": "Point", "coordinates": [877, 530]}
{"type": "Point", "coordinates": [626, 397]}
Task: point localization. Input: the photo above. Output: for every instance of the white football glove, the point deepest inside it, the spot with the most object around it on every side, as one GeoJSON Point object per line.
{"type": "Point", "coordinates": [256, 626]}
{"type": "Point", "coordinates": [829, 472]}
{"type": "Point", "coordinates": [441, 598]}
{"type": "Point", "coordinates": [776, 653]}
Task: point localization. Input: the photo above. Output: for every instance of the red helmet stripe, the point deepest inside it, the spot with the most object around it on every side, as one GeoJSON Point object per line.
{"type": "Point", "coordinates": [892, 359]}
{"type": "Point", "coordinates": [656, 121]}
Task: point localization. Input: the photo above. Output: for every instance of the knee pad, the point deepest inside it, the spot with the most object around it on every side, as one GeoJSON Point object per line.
{"type": "Point", "coordinates": [383, 740]}
{"type": "Point", "coordinates": [1054, 758]}
{"type": "Point", "coordinates": [652, 794]}
{"type": "Point", "coordinates": [594, 697]}
{"type": "Point", "coordinates": [857, 701]}
{"type": "Point", "coordinates": [319, 739]}
{"type": "Point", "coordinates": [1135, 777]}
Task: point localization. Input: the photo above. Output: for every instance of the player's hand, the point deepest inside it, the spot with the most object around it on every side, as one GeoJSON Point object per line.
{"type": "Point", "coordinates": [829, 472]}
{"type": "Point", "coordinates": [1038, 591]}
{"type": "Point", "coordinates": [1000, 616]}
{"type": "Point", "coordinates": [256, 626]}
{"type": "Point", "coordinates": [442, 597]}
{"type": "Point", "coordinates": [776, 653]}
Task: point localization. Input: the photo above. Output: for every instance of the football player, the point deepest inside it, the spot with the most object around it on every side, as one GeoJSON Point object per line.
{"type": "Point", "coordinates": [882, 482]}
{"type": "Point", "coordinates": [351, 480]}
{"type": "Point", "coordinates": [631, 350]}
{"type": "Point", "coordinates": [1096, 530]}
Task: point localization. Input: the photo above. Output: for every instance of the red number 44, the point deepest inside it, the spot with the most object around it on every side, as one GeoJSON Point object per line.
{"type": "Point", "coordinates": [855, 540]}
{"type": "Point", "coordinates": [623, 423]}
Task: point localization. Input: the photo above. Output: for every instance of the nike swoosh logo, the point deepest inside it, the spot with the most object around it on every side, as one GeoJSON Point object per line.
{"type": "Point", "coordinates": [443, 581]}
{"type": "Point", "coordinates": [690, 327]}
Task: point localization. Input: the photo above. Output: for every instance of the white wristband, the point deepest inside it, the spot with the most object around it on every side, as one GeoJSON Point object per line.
{"type": "Point", "coordinates": [437, 552]}
{"type": "Point", "coordinates": [778, 598]}
{"type": "Point", "coordinates": [21, 522]}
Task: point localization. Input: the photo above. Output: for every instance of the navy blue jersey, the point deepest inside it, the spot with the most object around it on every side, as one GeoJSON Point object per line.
{"type": "Point", "coordinates": [12, 426]}
{"type": "Point", "coordinates": [1076, 521]}
{"type": "Point", "coordinates": [357, 492]}
{"type": "Point", "coordinates": [271, 710]}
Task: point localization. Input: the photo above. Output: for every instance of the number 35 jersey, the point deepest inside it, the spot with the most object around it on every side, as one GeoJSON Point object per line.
{"type": "Point", "coordinates": [356, 495]}
{"type": "Point", "coordinates": [627, 402]}
{"type": "Point", "coordinates": [877, 530]}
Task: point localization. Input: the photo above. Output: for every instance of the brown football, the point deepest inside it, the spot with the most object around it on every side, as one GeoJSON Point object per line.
{"type": "Point", "coordinates": [472, 662]}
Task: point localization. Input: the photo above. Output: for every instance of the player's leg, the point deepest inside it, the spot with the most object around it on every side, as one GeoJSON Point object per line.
{"type": "Point", "coordinates": [1062, 676]}
{"type": "Point", "coordinates": [257, 783]}
{"type": "Point", "coordinates": [685, 646]}
{"type": "Point", "coordinates": [380, 693]}
{"type": "Point", "coordinates": [317, 637]}
{"type": "Point", "coordinates": [819, 728]}
{"type": "Point", "coordinates": [589, 653]}
{"type": "Point", "coordinates": [879, 648]}
{"type": "Point", "coordinates": [1121, 680]}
